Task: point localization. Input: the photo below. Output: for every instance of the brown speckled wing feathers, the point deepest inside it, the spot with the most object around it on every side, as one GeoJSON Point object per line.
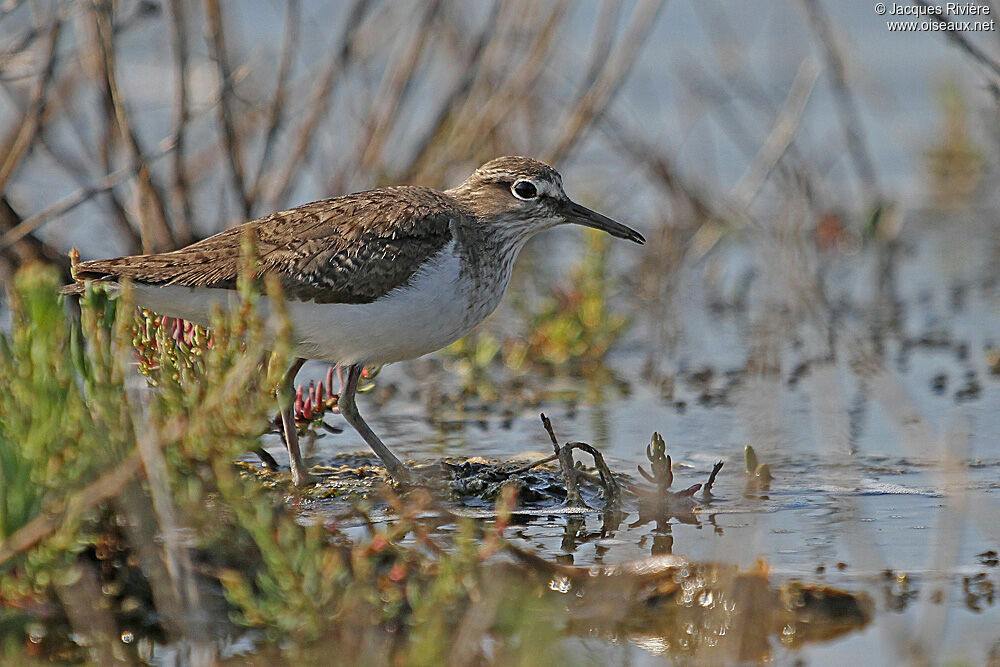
{"type": "Point", "coordinates": [350, 249]}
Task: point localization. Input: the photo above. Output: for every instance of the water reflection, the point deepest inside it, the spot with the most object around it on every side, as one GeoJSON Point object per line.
{"type": "Point", "coordinates": [845, 398]}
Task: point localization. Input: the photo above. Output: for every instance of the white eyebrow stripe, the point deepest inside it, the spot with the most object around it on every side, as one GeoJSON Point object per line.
{"type": "Point", "coordinates": [548, 188]}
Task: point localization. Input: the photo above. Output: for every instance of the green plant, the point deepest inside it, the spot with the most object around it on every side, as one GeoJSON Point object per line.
{"type": "Point", "coordinates": [105, 475]}
{"type": "Point", "coordinates": [61, 422]}
{"type": "Point", "coordinates": [575, 327]}
{"type": "Point", "coordinates": [74, 433]}
{"type": "Point", "coordinates": [568, 333]}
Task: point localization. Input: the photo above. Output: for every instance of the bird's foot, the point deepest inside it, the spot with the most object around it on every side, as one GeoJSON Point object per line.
{"type": "Point", "coordinates": [266, 459]}
{"type": "Point", "coordinates": [302, 478]}
{"type": "Point", "coordinates": [400, 476]}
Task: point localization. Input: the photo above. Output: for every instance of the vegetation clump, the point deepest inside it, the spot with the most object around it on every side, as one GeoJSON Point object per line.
{"type": "Point", "coordinates": [102, 477]}
{"type": "Point", "coordinates": [126, 526]}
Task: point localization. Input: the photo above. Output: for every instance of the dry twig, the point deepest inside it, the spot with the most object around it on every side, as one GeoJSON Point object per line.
{"type": "Point", "coordinates": [317, 107]}
{"type": "Point", "coordinates": [276, 110]}
{"type": "Point", "coordinates": [231, 146]}
{"type": "Point", "coordinates": [849, 115]}
{"type": "Point", "coordinates": [182, 112]}
{"type": "Point", "coordinates": [396, 81]}
{"type": "Point", "coordinates": [31, 120]}
{"type": "Point", "coordinates": [107, 486]}
{"type": "Point", "coordinates": [67, 204]}
{"type": "Point", "coordinates": [607, 84]}
{"type": "Point", "coordinates": [155, 231]}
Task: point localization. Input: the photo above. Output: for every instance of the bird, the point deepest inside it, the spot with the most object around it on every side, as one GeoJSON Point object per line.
{"type": "Point", "coordinates": [369, 278]}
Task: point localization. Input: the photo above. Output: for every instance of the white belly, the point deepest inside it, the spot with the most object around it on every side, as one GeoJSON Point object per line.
{"type": "Point", "coordinates": [438, 308]}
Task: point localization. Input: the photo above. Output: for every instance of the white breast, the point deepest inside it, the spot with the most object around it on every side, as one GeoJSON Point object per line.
{"type": "Point", "coordinates": [438, 307]}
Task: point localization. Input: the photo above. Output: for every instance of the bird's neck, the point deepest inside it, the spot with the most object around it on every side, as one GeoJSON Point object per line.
{"type": "Point", "coordinates": [488, 251]}
{"type": "Point", "coordinates": [486, 264]}
{"type": "Point", "coordinates": [487, 241]}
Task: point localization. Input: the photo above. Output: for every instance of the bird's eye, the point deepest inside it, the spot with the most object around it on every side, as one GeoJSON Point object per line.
{"type": "Point", "coordinates": [524, 190]}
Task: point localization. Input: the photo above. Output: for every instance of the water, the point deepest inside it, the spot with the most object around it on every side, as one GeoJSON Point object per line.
{"type": "Point", "coordinates": [863, 498]}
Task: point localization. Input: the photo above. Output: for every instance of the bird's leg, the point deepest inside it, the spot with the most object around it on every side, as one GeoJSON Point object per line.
{"type": "Point", "coordinates": [340, 378]}
{"type": "Point", "coordinates": [300, 474]}
{"type": "Point", "coordinates": [349, 409]}
{"type": "Point", "coordinates": [266, 458]}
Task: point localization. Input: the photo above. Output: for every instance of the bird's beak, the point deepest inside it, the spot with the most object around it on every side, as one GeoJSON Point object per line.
{"type": "Point", "coordinates": [581, 215]}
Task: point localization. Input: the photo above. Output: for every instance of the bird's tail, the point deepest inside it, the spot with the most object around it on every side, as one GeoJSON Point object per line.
{"type": "Point", "coordinates": [81, 273]}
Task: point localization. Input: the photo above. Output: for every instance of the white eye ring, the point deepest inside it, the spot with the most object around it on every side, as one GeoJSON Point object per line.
{"type": "Point", "coordinates": [524, 189]}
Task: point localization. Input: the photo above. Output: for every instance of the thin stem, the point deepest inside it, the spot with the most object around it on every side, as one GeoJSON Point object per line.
{"type": "Point", "coordinates": [32, 118]}
{"type": "Point", "coordinates": [276, 110]}
{"type": "Point", "coordinates": [230, 140]}
{"type": "Point", "coordinates": [181, 185]}
{"type": "Point", "coordinates": [318, 107]}
{"type": "Point", "coordinates": [155, 232]}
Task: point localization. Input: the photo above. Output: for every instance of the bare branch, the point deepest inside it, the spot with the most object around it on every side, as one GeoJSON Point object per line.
{"type": "Point", "coordinates": [231, 144]}
{"type": "Point", "coordinates": [318, 106]}
{"type": "Point", "coordinates": [396, 80]}
{"type": "Point", "coordinates": [736, 208]}
{"type": "Point", "coordinates": [181, 187]}
{"type": "Point", "coordinates": [659, 164]}
{"type": "Point", "coordinates": [20, 46]}
{"type": "Point", "coordinates": [64, 98]}
{"type": "Point", "coordinates": [534, 464]}
{"type": "Point", "coordinates": [67, 204]}
{"type": "Point", "coordinates": [779, 138]}
{"type": "Point", "coordinates": [454, 99]}
{"type": "Point", "coordinates": [155, 232]}
{"type": "Point", "coordinates": [959, 39]}
{"type": "Point", "coordinates": [500, 100]}
{"type": "Point", "coordinates": [607, 84]}
{"type": "Point", "coordinates": [720, 101]}
{"type": "Point", "coordinates": [32, 118]}
{"type": "Point", "coordinates": [850, 118]}
{"type": "Point", "coordinates": [601, 42]}
{"type": "Point", "coordinates": [276, 110]}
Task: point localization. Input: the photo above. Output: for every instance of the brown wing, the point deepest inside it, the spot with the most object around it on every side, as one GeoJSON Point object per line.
{"type": "Point", "coordinates": [350, 249]}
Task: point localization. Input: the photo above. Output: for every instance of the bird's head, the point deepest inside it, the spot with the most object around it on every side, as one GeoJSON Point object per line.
{"type": "Point", "coordinates": [521, 196]}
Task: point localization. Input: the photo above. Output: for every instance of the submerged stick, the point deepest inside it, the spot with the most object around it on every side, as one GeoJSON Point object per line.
{"type": "Point", "coordinates": [566, 466]}
{"type": "Point", "coordinates": [571, 475]}
{"type": "Point", "coordinates": [711, 478]}
{"type": "Point", "coordinates": [534, 464]}
{"type": "Point", "coordinates": [613, 492]}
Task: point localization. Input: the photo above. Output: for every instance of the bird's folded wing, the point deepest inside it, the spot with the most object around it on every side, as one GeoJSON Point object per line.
{"type": "Point", "coordinates": [350, 249]}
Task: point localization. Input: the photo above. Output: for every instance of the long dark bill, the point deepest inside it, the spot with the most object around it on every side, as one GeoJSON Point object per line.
{"type": "Point", "coordinates": [581, 215]}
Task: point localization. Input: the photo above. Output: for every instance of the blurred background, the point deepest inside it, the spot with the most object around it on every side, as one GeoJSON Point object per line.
{"type": "Point", "coordinates": [820, 279]}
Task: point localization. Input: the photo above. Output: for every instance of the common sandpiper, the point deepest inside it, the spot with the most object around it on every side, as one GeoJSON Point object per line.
{"type": "Point", "coordinates": [372, 277]}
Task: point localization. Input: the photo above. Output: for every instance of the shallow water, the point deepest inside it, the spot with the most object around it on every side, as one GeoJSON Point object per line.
{"type": "Point", "coordinates": [863, 497]}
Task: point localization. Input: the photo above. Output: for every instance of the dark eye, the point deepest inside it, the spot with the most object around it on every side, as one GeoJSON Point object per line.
{"type": "Point", "coordinates": [524, 190]}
